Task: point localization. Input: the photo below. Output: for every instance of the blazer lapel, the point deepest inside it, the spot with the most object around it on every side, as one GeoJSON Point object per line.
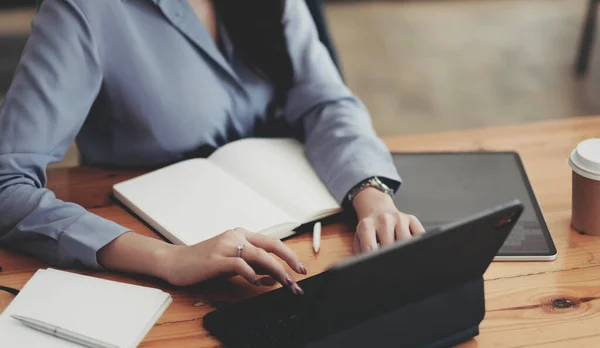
{"type": "Point", "coordinates": [182, 16]}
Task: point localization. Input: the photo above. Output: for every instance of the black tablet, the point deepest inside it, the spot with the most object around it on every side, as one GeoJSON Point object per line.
{"type": "Point", "coordinates": [443, 187]}
{"type": "Point", "coordinates": [426, 291]}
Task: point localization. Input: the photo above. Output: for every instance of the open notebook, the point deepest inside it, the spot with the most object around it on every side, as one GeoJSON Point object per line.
{"type": "Point", "coordinates": [116, 313]}
{"type": "Point", "coordinates": [263, 185]}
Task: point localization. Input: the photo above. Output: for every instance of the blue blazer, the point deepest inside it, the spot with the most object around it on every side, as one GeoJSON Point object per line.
{"type": "Point", "coordinates": [142, 83]}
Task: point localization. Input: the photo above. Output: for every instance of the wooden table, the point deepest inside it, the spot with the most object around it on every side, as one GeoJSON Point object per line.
{"type": "Point", "coordinates": [519, 296]}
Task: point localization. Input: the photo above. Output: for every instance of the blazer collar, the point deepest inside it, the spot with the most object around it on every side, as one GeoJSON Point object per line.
{"type": "Point", "coordinates": [182, 17]}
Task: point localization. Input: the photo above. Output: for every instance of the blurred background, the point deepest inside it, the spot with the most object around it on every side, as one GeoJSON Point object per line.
{"type": "Point", "coordinates": [427, 65]}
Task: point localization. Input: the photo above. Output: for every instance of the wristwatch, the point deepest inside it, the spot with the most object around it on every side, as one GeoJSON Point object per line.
{"type": "Point", "coordinates": [374, 182]}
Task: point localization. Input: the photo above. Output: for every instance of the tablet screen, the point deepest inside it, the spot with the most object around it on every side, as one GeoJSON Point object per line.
{"type": "Point", "coordinates": [444, 187]}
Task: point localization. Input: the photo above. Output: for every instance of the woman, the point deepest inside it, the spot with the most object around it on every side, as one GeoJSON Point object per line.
{"type": "Point", "coordinates": [151, 82]}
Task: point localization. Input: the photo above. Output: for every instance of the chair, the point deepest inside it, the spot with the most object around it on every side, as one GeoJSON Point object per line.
{"type": "Point", "coordinates": [11, 4]}
{"type": "Point", "coordinates": [587, 38]}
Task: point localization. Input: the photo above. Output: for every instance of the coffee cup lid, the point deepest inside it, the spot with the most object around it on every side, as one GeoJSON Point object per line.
{"type": "Point", "coordinates": [585, 159]}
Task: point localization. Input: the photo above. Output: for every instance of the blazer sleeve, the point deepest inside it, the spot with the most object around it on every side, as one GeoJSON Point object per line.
{"type": "Point", "coordinates": [55, 84]}
{"type": "Point", "coordinates": [339, 139]}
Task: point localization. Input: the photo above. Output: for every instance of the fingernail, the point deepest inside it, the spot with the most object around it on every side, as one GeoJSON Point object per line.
{"type": "Point", "coordinates": [257, 282]}
{"type": "Point", "coordinates": [298, 290]}
{"type": "Point", "coordinates": [288, 281]}
{"type": "Point", "coordinates": [302, 268]}
{"type": "Point", "coordinates": [267, 281]}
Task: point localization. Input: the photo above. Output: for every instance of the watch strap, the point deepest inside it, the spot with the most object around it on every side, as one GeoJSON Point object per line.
{"type": "Point", "coordinates": [374, 182]}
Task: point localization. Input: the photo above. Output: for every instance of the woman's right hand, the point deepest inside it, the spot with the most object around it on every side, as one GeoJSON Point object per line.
{"type": "Point", "coordinates": [187, 265]}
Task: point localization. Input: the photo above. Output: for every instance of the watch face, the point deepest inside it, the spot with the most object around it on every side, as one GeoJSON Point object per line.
{"type": "Point", "coordinates": [377, 184]}
{"type": "Point", "coordinates": [380, 183]}
{"type": "Point", "coordinates": [382, 186]}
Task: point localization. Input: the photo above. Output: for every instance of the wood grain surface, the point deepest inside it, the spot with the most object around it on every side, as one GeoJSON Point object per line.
{"type": "Point", "coordinates": [550, 304]}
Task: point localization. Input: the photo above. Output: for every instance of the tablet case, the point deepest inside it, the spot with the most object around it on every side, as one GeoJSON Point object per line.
{"type": "Point", "coordinates": [443, 319]}
{"type": "Point", "coordinates": [426, 305]}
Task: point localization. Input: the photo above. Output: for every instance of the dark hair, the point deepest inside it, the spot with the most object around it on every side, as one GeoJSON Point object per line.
{"type": "Point", "coordinates": [256, 30]}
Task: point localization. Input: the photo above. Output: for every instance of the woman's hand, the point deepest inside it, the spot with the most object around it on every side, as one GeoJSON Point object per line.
{"type": "Point", "coordinates": [380, 222]}
{"type": "Point", "coordinates": [219, 256]}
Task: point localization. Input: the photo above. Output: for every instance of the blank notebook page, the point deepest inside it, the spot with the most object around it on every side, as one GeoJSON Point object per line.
{"type": "Point", "coordinates": [279, 170]}
{"type": "Point", "coordinates": [195, 200]}
{"type": "Point", "coordinates": [113, 312]}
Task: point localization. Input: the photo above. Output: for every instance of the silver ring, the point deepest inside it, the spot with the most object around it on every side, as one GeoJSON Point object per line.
{"type": "Point", "coordinates": [240, 247]}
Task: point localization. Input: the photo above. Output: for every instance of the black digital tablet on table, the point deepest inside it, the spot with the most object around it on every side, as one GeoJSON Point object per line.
{"type": "Point", "coordinates": [427, 291]}
{"type": "Point", "coordinates": [443, 186]}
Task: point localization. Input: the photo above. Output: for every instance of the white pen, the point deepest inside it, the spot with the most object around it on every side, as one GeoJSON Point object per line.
{"type": "Point", "coordinates": [317, 237]}
{"type": "Point", "coordinates": [63, 333]}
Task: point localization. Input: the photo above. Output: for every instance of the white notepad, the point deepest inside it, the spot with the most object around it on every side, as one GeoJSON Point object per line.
{"type": "Point", "coordinates": [117, 313]}
{"type": "Point", "coordinates": [264, 185]}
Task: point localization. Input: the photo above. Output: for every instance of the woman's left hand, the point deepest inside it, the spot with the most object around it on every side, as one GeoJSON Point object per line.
{"type": "Point", "coordinates": [379, 222]}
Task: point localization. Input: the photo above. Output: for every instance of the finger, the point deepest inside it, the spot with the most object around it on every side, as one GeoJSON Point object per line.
{"type": "Point", "coordinates": [237, 265]}
{"type": "Point", "coordinates": [385, 229]}
{"type": "Point", "coordinates": [365, 232]}
{"type": "Point", "coordinates": [268, 281]}
{"type": "Point", "coordinates": [278, 248]}
{"type": "Point", "coordinates": [416, 227]}
{"type": "Point", "coordinates": [261, 258]}
{"type": "Point", "coordinates": [356, 245]}
{"type": "Point", "coordinates": [402, 228]}
{"type": "Point", "coordinates": [231, 241]}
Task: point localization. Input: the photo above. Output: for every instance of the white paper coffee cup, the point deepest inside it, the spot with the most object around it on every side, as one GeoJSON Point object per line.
{"type": "Point", "coordinates": [585, 163]}
{"type": "Point", "coordinates": [585, 159]}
